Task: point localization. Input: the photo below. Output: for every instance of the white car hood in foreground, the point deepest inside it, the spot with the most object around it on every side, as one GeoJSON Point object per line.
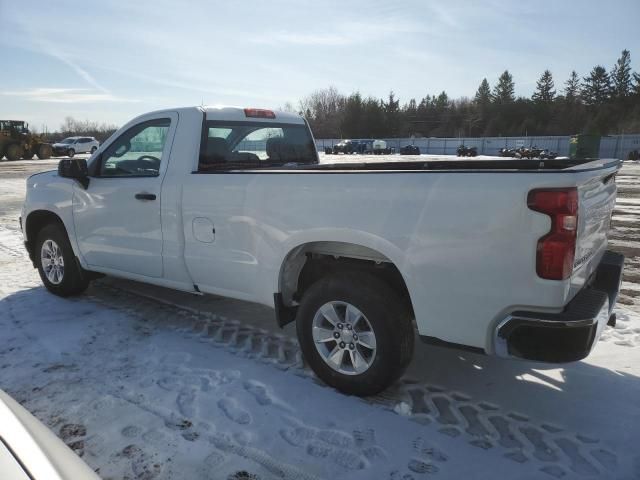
{"type": "Point", "coordinates": [30, 451]}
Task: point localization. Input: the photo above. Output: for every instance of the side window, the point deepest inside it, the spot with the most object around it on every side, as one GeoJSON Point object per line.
{"type": "Point", "coordinates": [137, 152]}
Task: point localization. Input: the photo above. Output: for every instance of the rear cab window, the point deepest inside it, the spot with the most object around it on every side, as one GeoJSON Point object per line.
{"type": "Point", "coordinates": [248, 145]}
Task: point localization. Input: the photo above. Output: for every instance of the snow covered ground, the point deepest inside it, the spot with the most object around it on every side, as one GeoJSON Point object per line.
{"type": "Point", "coordinates": [146, 383]}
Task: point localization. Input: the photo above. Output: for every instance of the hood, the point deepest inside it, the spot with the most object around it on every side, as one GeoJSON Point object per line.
{"type": "Point", "coordinates": [42, 176]}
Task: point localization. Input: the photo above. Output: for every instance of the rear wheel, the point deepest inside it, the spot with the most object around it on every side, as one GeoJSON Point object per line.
{"type": "Point", "coordinates": [44, 151]}
{"type": "Point", "coordinates": [355, 332]}
{"type": "Point", "coordinates": [56, 262]}
{"type": "Point", "coordinates": [71, 152]}
{"type": "Point", "coordinates": [14, 152]}
{"type": "Point", "coordinates": [93, 150]}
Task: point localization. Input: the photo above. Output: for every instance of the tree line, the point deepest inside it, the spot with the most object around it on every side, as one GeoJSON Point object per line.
{"type": "Point", "coordinates": [602, 102]}
{"type": "Point", "coordinates": [71, 127]}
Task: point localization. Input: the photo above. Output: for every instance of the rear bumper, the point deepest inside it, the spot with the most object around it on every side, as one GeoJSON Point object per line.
{"type": "Point", "coordinates": [570, 335]}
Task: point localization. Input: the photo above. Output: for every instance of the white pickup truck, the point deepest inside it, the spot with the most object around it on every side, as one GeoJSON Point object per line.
{"type": "Point", "coordinates": [505, 257]}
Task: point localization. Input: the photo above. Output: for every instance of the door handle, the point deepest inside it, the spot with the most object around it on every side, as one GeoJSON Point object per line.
{"type": "Point", "coordinates": [145, 196]}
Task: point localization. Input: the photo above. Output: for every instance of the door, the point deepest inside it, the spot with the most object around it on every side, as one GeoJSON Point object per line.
{"type": "Point", "coordinates": [83, 145]}
{"type": "Point", "coordinates": [117, 218]}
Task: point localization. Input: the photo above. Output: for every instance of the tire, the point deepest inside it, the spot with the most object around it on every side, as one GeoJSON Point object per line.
{"type": "Point", "coordinates": [52, 241]}
{"type": "Point", "coordinates": [384, 314]}
{"type": "Point", "coordinates": [14, 152]}
{"type": "Point", "coordinates": [44, 151]}
{"type": "Point", "coordinates": [71, 152]}
{"type": "Point", "coordinates": [93, 150]}
{"type": "Point", "coordinates": [27, 155]}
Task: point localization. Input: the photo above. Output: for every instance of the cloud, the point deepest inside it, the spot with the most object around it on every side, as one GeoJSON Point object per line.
{"type": "Point", "coordinates": [81, 72]}
{"type": "Point", "coordinates": [66, 95]}
{"type": "Point", "coordinates": [344, 33]}
{"type": "Point", "coordinates": [52, 48]}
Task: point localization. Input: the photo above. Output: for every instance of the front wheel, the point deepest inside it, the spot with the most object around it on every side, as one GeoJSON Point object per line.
{"type": "Point", "coordinates": [56, 263]}
{"type": "Point", "coordinates": [355, 332]}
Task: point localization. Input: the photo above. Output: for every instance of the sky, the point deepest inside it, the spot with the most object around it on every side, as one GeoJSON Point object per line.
{"type": "Point", "coordinates": [109, 61]}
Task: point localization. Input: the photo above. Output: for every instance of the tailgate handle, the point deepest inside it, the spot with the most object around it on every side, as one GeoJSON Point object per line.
{"type": "Point", "coordinates": [145, 196]}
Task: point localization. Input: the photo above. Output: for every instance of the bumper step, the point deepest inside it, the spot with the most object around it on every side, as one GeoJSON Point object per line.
{"type": "Point", "coordinates": [569, 335]}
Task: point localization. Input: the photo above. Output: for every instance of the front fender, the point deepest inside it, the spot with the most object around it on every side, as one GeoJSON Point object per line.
{"type": "Point", "coordinates": [47, 192]}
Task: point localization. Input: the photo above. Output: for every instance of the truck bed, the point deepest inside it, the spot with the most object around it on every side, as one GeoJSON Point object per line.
{"type": "Point", "coordinates": [447, 164]}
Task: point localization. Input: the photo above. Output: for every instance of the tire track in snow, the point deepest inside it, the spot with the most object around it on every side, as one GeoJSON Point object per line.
{"type": "Point", "coordinates": [555, 450]}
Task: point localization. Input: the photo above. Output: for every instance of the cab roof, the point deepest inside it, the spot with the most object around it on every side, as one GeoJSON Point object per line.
{"type": "Point", "coordinates": [221, 112]}
{"type": "Point", "coordinates": [236, 114]}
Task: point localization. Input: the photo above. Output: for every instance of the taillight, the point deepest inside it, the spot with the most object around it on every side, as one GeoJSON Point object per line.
{"type": "Point", "coordinates": [258, 113]}
{"type": "Point", "coordinates": [556, 250]}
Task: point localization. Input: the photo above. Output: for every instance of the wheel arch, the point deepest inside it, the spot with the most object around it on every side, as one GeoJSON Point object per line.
{"type": "Point", "coordinates": [306, 263]}
{"type": "Point", "coordinates": [36, 221]}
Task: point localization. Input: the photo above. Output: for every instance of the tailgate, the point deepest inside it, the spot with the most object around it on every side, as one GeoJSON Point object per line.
{"type": "Point", "coordinates": [597, 197]}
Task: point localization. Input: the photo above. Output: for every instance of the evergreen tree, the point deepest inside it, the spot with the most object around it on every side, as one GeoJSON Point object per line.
{"type": "Point", "coordinates": [545, 92]}
{"type": "Point", "coordinates": [572, 87]}
{"type": "Point", "coordinates": [352, 117]}
{"type": "Point", "coordinates": [412, 107]}
{"type": "Point", "coordinates": [392, 114]}
{"type": "Point", "coordinates": [442, 102]}
{"type": "Point", "coordinates": [483, 95]}
{"type": "Point", "coordinates": [504, 89]}
{"type": "Point", "coordinates": [373, 120]}
{"type": "Point", "coordinates": [635, 88]}
{"type": "Point", "coordinates": [596, 88]}
{"type": "Point", "coordinates": [621, 76]}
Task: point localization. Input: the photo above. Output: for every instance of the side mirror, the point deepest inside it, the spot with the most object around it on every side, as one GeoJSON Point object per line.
{"type": "Point", "coordinates": [75, 168]}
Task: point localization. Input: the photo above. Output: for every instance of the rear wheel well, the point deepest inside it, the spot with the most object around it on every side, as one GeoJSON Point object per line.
{"type": "Point", "coordinates": [319, 265]}
{"type": "Point", "coordinates": [307, 264]}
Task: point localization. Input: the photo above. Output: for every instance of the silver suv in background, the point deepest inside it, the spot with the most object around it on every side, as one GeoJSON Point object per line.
{"type": "Point", "coordinates": [72, 145]}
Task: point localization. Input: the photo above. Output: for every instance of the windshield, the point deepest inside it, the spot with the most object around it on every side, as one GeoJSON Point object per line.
{"type": "Point", "coordinates": [248, 145]}
{"type": "Point", "coordinates": [68, 140]}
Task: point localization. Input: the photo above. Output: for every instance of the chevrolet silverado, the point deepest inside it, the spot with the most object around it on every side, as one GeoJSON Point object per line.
{"type": "Point", "coordinates": [505, 257]}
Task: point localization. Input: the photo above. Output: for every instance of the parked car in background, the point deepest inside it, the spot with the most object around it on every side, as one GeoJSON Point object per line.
{"type": "Point", "coordinates": [30, 451]}
{"type": "Point", "coordinates": [410, 150]}
{"type": "Point", "coordinates": [72, 145]}
{"type": "Point", "coordinates": [234, 202]}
